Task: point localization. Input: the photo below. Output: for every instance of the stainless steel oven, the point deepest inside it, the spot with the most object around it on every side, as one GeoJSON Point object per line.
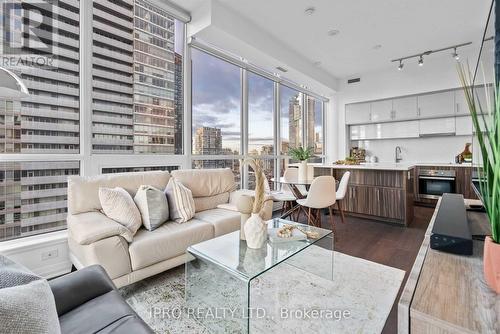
{"type": "Point", "coordinates": [434, 183]}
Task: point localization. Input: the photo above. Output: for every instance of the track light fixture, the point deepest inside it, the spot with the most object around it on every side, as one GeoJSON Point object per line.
{"type": "Point", "coordinates": [421, 55]}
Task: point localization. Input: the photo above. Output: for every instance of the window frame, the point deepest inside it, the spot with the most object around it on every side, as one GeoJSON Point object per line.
{"type": "Point", "coordinates": [92, 163]}
{"type": "Point", "coordinates": [245, 68]}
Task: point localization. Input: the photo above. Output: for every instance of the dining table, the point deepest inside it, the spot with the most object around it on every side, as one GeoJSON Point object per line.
{"type": "Point", "coordinates": [295, 185]}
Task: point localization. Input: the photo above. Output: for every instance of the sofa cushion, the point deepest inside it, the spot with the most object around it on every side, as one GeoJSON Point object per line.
{"type": "Point", "coordinates": [101, 315]}
{"type": "Point", "coordinates": [228, 206]}
{"type": "Point", "coordinates": [210, 202]}
{"type": "Point", "coordinates": [167, 241]}
{"type": "Point", "coordinates": [26, 301]}
{"type": "Point", "coordinates": [206, 182]}
{"type": "Point", "coordinates": [111, 253]}
{"type": "Point", "coordinates": [118, 205]}
{"type": "Point", "coordinates": [223, 221]}
{"type": "Point", "coordinates": [180, 201]}
{"type": "Point", "coordinates": [153, 205]}
{"type": "Point", "coordinates": [83, 191]}
{"type": "Point", "coordinates": [86, 228]}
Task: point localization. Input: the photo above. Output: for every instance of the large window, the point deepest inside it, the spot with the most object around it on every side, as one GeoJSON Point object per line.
{"type": "Point", "coordinates": [216, 105]}
{"type": "Point", "coordinates": [47, 122]}
{"type": "Point", "coordinates": [260, 115]}
{"type": "Point", "coordinates": [135, 77]}
{"type": "Point", "coordinates": [138, 52]}
{"type": "Point", "coordinates": [225, 96]}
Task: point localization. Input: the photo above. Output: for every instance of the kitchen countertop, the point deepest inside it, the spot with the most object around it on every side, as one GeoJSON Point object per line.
{"type": "Point", "coordinates": [402, 166]}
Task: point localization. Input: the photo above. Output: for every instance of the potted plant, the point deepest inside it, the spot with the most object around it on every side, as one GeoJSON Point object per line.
{"type": "Point", "coordinates": [301, 154]}
{"type": "Point", "coordinates": [486, 120]}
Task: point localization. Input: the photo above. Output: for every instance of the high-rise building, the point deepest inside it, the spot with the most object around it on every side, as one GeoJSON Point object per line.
{"type": "Point", "coordinates": [179, 105]}
{"type": "Point", "coordinates": [294, 121]}
{"type": "Point", "coordinates": [208, 141]}
{"type": "Point", "coordinates": [113, 77]}
{"type": "Point", "coordinates": [133, 78]}
{"type": "Point", "coordinates": [310, 128]}
{"type": "Point", "coordinates": [33, 196]}
{"type": "Point", "coordinates": [48, 120]}
{"type": "Point", "coordinates": [154, 79]}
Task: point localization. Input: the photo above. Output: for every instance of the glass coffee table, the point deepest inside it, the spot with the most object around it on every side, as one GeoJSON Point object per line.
{"type": "Point", "coordinates": [219, 278]}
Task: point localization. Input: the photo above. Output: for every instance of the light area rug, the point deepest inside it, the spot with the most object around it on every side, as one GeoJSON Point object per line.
{"type": "Point", "coordinates": [358, 299]}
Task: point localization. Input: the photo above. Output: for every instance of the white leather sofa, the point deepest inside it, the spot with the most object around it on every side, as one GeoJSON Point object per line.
{"type": "Point", "coordinates": [94, 238]}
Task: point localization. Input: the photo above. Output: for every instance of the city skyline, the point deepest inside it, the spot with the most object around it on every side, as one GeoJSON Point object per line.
{"type": "Point", "coordinates": [216, 103]}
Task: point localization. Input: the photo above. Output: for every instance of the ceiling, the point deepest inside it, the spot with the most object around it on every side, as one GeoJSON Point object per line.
{"type": "Point", "coordinates": [401, 27]}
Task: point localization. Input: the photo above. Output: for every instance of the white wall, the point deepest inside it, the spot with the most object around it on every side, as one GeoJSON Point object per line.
{"type": "Point", "coordinates": [424, 150]}
{"type": "Point", "coordinates": [439, 72]}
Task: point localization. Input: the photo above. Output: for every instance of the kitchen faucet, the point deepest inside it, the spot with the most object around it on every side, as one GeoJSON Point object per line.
{"type": "Point", "coordinates": [398, 154]}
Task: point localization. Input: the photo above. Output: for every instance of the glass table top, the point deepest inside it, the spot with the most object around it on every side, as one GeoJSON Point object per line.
{"type": "Point", "coordinates": [232, 254]}
{"type": "Point", "coordinates": [293, 180]}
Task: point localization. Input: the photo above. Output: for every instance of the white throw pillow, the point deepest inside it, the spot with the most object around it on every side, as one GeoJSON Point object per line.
{"type": "Point", "coordinates": [118, 205]}
{"type": "Point", "coordinates": [153, 205]}
{"type": "Point", "coordinates": [180, 201]}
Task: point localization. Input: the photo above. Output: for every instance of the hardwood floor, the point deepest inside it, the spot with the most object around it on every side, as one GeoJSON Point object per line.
{"type": "Point", "coordinates": [383, 243]}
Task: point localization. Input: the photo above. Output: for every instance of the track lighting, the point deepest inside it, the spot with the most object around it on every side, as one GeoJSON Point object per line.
{"type": "Point", "coordinates": [400, 67]}
{"type": "Point", "coordinates": [421, 55]}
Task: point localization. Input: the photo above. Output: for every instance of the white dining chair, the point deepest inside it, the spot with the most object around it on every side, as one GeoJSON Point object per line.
{"type": "Point", "coordinates": [285, 195]}
{"type": "Point", "coordinates": [292, 173]}
{"type": "Point", "coordinates": [321, 195]}
{"type": "Point", "coordinates": [341, 192]}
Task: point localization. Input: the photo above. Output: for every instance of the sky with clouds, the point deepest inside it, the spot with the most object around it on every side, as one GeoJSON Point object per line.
{"type": "Point", "coordinates": [216, 96]}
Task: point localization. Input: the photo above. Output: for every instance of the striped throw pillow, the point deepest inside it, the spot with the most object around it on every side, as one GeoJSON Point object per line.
{"type": "Point", "coordinates": [180, 201]}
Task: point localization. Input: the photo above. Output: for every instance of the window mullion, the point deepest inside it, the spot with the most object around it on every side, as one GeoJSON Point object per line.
{"type": "Point", "coordinates": [86, 17]}
{"type": "Point", "coordinates": [244, 125]}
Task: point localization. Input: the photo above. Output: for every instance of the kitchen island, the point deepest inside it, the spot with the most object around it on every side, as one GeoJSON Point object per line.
{"type": "Point", "coordinates": [383, 192]}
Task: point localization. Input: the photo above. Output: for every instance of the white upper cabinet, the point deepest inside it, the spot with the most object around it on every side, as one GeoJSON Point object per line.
{"type": "Point", "coordinates": [436, 104]}
{"type": "Point", "coordinates": [484, 98]}
{"type": "Point", "coordinates": [362, 132]}
{"type": "Point", "coordinates": [463, 126]}
{"type": "Point", "coordinates": [381, 111]}
{"type": "Point", "coordinates": [462, 108]}
{"type": "Point", "coordinates": [357, 113]}
{"type": "Point", "coordinates": [405, 108]}
{"type": "Point", "coordinates": [437, 126]}
{"type": "Point", "coordinates": [481, 95]}
{"type": "Point", "coordinates": [409, 129]}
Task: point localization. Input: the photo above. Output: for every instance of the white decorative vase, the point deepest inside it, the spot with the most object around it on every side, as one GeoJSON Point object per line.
{"type": "Point", "coordinates": [303, 170]}
{"type": "Point", "coordinates": [255, 231]}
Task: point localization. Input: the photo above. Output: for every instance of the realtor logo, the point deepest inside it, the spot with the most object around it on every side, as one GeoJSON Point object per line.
{"type": "Point", "coordinates": [27, 27]}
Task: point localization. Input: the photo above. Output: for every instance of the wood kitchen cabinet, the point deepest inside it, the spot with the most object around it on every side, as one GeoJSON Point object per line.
{"type": "Point", "coordinates": [463, 176]}
{"type": "Point", "coordinates": [357, 113]}
{"type": "Point", "coordinates": [385, 195]}
{"type": "Point", "coordinates": [436, 104]}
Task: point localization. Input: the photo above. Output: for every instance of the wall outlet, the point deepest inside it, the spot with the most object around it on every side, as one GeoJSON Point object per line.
{"type": "Point", "coordinates": [51, 254]}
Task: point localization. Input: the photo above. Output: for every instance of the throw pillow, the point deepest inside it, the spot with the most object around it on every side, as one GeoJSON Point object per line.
{"type": "Point", "coordinates": [180, 201]}
{"type": "Point", "coordinates": [153, 205]}
{"type": "Point", "coordinates": [118, 205]}
{"type": "Point", "coordinates": [26, 302]}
